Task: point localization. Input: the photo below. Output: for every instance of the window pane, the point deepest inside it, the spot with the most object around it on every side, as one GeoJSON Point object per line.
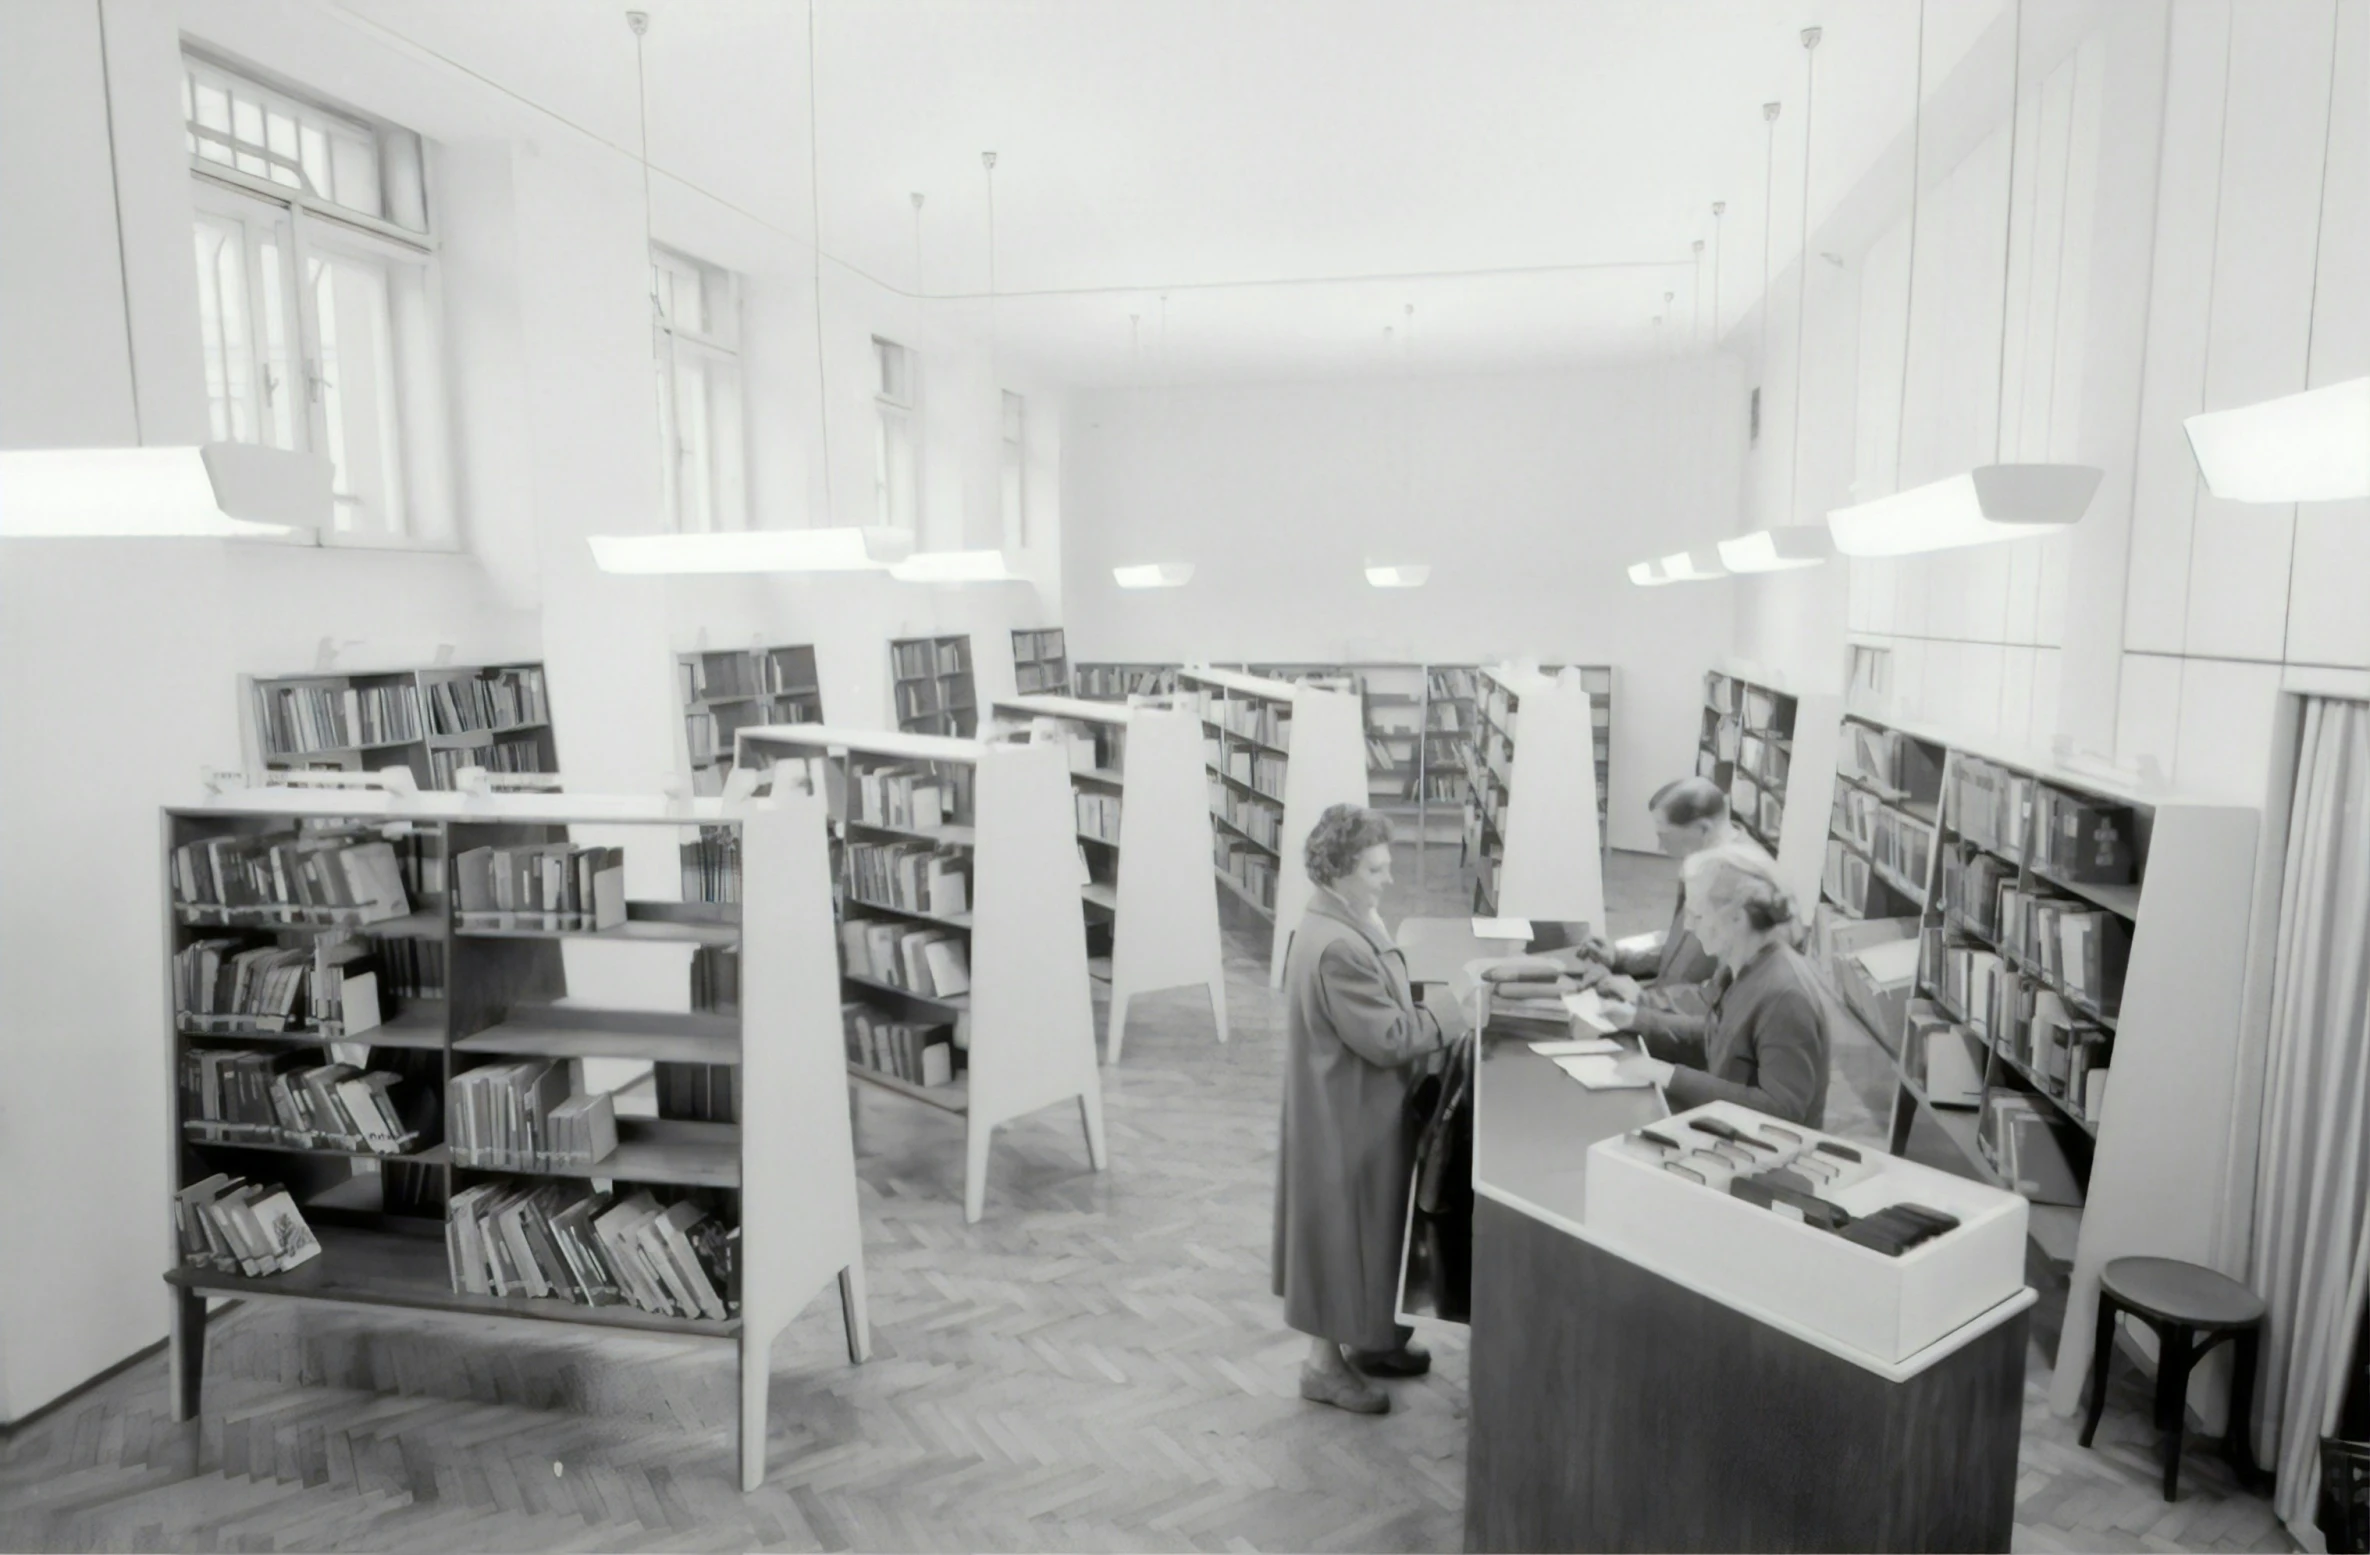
{"type": "Point", "coordinates": [729, 462]}
{"type": "Point", "coordinates": [213, 107]}
{"type": "Point", "coordinates": [355, 165]}
{"type": "Point", "coordinates": [280, 134]}
{"type": "Point", "coordinates": [670, 469]}
{"type": "Point", "coordinates": [246, 120]}
{"type": "Point", "coordinates": [358, 392]}
{"type": "Point", "coordinates": [691, 447]}
{"type": "Point", "coordinates": [315, 156]}
{"type": "Point", "coordinates": [282, 393]}
{"type": "Point", "coordinates": [213, 151]}
{"type": "Point", "coordinates": [222, 324]}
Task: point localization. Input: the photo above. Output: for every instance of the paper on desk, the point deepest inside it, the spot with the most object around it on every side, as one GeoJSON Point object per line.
{"type": "Point", "coordinates": [1583, 1047]}
{"type": "Point", "coordinates": [1502, 928]}
{"type": "Point", "coordinates": [1588, 1008]}
{"type": "Point", "coordinates": [1601, 1074]}
{"type": "Point", "coordinates": [1651, 940]}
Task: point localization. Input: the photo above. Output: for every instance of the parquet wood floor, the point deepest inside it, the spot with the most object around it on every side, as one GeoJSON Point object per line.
{"type": "Point", "coordinates": [1096, 1366]}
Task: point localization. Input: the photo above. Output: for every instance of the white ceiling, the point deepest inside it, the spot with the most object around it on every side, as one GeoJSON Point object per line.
{"type": "Point", "coordinates": [1530, 174]}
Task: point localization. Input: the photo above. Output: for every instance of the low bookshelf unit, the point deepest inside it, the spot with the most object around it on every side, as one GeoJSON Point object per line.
{"type": "Point", "coordinates": [1772, 752]}
{"type": "Point", "coordinates": [932, 682]}
{"type": "Point", "coordinates": [1109, 682]}
{"type": "Point", "coordinates": [382, 1094]}
{"type": "Point", "coordinates": [724, 692]}
{"type": "Point", "coordinates": [435, 721]}
{"type": "Point", "coordinates": [1040, 661]}
{"type": "Point", "coordinates": [963, 981]}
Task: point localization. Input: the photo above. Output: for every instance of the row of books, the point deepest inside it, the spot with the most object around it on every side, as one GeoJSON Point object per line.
{"type": "Point", "coordinates": [230, 1096]}
{"type": "Point", "coordinates": [1032, 678]}
{"type": "Point", "coordinates": [1846, 879]}
{"type": "Point", "coordinates": [540, 886]}
{"type": "Point", "coordinates": [1756, 808]}
{"type": "Point", "coordinates": [2021, 1016]}
{"type": "Point", "coordinates": [716, 979]}
{"type": "Point", "coordinates": [1991, 806]}
{"type": "Point", "coordinates": [712, 866]}
{"type": "Point", "coordinates": [921, 698]}
{"type": "Point", "coordinates": [249, 1228]}
{"type": "Point", "coordinates": [1449, 717]}
{"type": "Point", "coordinates": [301, 719]}
{"type": "Point", "coordinates": [1116, 682]}
{"type": "Point", "coordinates": [1384, 758]}
{"type": "Point", "coordinates": [1098, 816]}
{"type": "Point", "coordinates": [1890, 761]}
{"type": "Point", "coordinates": [407, 968]}
{"type": "Point", "coordinates": [1263, 770]}
{"type": "Point", "coordinates": [2083, 949]}
{"type": "Point", "coordinates": [2082, 839]}
{"type": "Point", "coordinates": [558, 1241]}
{"type": "Point", "coordinates": [1253, 817]}
{"type": "Point", "coordinates": [1047, 644]}
{"type": "Point", "coordinates": [1726, 737]}
{"type": "Point", "coordinates": [1766, 758]}
{"type": "Point", "coordinates": [1438, 786]}
{"type": "Point", "coordinates": [1972, 881]}
{"type": "Point", "coordinates": [507, 699]}
{"type": "Point", "coordinates": [1904, 845]}
{"type": "Point", "coordinates": [1253, 718]}
{"type": "Point", "coordinates": [354, 875]}
{"type": "Point", "coordinates": [1249, 868]}
{"type": "Point", "coordinates": [2027, 1147]}
{"type": "Point", "coordinates": [911, 798]}
{"type": "Point", "coordinates": [444, 766]}
{"type": "Point", "coordinates": [915, 877]}
{"type": "Point", "coordinates": [934, 963]}
{"type": "Point", "coordinates": [710, 676]}
{"type": "Point", "coordinates": [926, 660]}
{"type": "Point", "coordinates": [1855, 813]}
{"type": "Point", "coordinates": [912, 1051]}
{"type": "Point", "coordinates": [328, 984]}
{"type": "Point", "coordinates": [699, 1093]}
{"type": "Point", "coordinates": [523, 1117]}
{"type": "Point", "coordinates": [2069, 1056]}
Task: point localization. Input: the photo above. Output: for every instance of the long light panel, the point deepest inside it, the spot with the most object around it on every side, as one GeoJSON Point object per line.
{"type": "Point", "coordinates": [1989, 503]}
{"type": "Point", "coordinates": [2309, 447]}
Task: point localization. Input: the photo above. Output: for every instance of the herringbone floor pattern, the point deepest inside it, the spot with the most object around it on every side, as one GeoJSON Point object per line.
{"type": "Point", "coordinates": [1096, 1366]}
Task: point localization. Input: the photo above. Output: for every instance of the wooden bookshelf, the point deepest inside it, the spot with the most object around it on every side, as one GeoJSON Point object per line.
{"type": "Point", "coordinates": [1275, 755]}
{"type": "Point", "coordinates": [1040, 661]}
{"type": "Point", "coordinates": [1113, 682]}
{"type": "Point", "coordinates": [1019, 1035]}
{"type": "Point", "coordinates": [778, 1166]}
{"type": "Point", "coordinates": [1144, 907]}
{"type": "Point", "coordinates": [2158, 1010]}
{"type": "Point", "coordinates": [932, 686]}
{"type": "Point", "coordinates": [433, 720]}
{"type": "Point", "coordinates": [1534, 816]}
{"type": "Point", "coordinates": [1772, 752]}
{"type": "Point", "coordinates": [728, 690]}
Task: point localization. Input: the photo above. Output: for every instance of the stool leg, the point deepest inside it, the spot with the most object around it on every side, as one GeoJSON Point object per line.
{"type": "Point", "coordinates": [2238, 1444]}
{"type": "Point", "coordinates": [2102, 1350]}
{"type": "Point", "coordinates": [2174, 1357]}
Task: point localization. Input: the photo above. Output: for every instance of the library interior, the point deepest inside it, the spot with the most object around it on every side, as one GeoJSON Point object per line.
{"type": "Point", "coordinates": [1019, 775]}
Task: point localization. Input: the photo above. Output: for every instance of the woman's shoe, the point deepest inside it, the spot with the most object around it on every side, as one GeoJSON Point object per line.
{"type": "Point", "coordinates": [1409, 1360]}
{"type": "Point", "coordinates": [1343, 1390]}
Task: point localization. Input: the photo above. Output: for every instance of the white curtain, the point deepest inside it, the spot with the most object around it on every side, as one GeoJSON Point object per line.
{"type": "Point", "coordinates": [2312, 1210]}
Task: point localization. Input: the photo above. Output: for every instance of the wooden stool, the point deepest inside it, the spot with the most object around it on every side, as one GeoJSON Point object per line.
{"type": "Point", "coordinates": [2190, 1311]}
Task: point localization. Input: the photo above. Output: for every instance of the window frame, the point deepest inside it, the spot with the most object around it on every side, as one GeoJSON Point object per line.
{"type": "Point", "coordinates": [896, 434]}
{"type": "Point", "coordinates": [708, 351]}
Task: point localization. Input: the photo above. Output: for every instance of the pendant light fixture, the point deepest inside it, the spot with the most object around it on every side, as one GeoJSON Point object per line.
{"type": "Point", "coordinates": [822, 548]}
{"type": "Point", "coordinates": [1403, 575]}
{"type": "Point", "coordinates": [219, 491]}
{"type": "Point", "coordinates": [1991, 502]}
{"type": "Point", "coordinates": [1700, 565]}
{"type": "Point", "coordinates": [1790, 546]}
{"type": "Point", "coordinates": [1647, 575]}
{"type": "Point", "coordinates": [1154, 575]}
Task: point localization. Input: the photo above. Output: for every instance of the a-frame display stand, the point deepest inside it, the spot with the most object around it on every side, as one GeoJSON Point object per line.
{"type": "Point", "coordinates": [1164, 931]}
{"type": "Point", "coordinates": [1545, 753]}
{"type": "Point", "coordinates": [1327, 767]}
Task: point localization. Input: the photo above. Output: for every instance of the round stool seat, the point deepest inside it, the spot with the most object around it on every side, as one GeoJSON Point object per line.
{"type": "Point", "coordinates": [2175, 1292]}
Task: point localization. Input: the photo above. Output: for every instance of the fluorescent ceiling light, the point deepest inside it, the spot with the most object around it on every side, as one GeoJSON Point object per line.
{"type": "Point", "coordinates": [1781, 548]}
{"type": "Point", "coordinates": [1647, 575]}
{"type": "Point", "coordinates": [1696, 566]}
{"type": "Point", "coordinates": [1154, 575]}
{"type": "Point", "coordinates": [2309, 447]}
{"type": "Point", "coordinates": [218, 490]}
{"type": "Point", "coordinates": [1990, 502]}
{"type": "Point", "coordinates": [865, 549]}
{"type": "Point", "coordinates": [954, 567]}
{"type": "Point", "coordinates": [1409, 575]}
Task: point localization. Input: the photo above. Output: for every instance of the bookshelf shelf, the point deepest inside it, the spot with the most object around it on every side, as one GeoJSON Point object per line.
{"type": "Point", "coordinates": [1023, 1036]}
{"type": "Point", "coordinates": [1109, 682]}
{"type": "Point", "coordinates": [725, 691]}
{"type": "Point", "coordinates": [931, 686]}
{"type": "Point", "coordinates": [1773, 752]}
{"type": "Point", "coordinates": [1040, 661]}
{"type": "Point", "coordinates": [430, 717]}
{"type": "Point", "coordinates": [1983, 833]}
{"type": "Point", "coordinates": [1532, 780]}
{"type": "Point", "coordinates": [765, 1152]}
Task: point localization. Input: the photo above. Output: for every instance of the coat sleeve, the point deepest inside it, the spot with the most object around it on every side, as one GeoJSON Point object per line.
{"type": "Point", "coordinates": [1788, 1043]}
{"type": "Point", "coordinates": [1680, 1010]}
{"type": "Point", "coordinates": [1358, 1000]}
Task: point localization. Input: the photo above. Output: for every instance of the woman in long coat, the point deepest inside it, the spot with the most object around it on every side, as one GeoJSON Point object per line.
{"type": "Point", "coordinates": [1355, 1036]}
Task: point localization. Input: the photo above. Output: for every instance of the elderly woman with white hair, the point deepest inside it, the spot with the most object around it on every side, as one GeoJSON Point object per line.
{"type": "Point", "coordinates": [1766, 1042]}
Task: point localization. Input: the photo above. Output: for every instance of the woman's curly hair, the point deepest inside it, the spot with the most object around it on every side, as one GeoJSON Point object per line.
{"type": "Point", "coordinates": [1342, 833]}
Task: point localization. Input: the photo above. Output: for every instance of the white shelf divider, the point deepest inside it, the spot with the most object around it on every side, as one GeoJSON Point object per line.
{"type": "Point", "coordinates": [1554, 866]}
{"type": "Point", "coordinates": [1326, 767]}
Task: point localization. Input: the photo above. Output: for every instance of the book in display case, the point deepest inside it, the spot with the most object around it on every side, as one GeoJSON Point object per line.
{"type": "Point", "coordinates": [382, 1095]}
{"type": "Point", "coordinates": [434, 721]}
{"type": "Point", "coordinates": [932, 685]}
{"type": "Point", "coordinates": [726, 691]}
{"type": "Point", "coordinates": [2079, 961]}
{"type": "Point", "coordinates": [962, 967]}
{"type": "Point", "coordinates": [1144, 839]}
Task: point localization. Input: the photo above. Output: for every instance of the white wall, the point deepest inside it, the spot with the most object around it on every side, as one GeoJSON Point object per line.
{"type": "Point", "coordinates": [1528, 494]}
{"type": "Point", "coordinates": [118, 660]}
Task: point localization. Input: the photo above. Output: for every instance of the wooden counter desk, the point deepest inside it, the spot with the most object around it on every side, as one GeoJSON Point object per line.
{"type": "Point", "coordinates": [1615, 1408]}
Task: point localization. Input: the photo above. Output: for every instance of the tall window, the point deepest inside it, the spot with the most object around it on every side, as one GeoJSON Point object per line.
{"type": "Point", "coordinates": [699, 392]}
{"type": "Point", "coordinates": [896, 456]}
{"type": "Point", "coordinates": [317, 294]}
{"type": "Point", "coordinates": [1015, 471]}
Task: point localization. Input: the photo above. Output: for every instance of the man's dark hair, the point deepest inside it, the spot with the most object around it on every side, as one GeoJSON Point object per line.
{"type": "Point", "coordinates": [1687, 801]}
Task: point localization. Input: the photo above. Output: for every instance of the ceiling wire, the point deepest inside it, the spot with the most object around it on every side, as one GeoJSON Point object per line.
{"type": "Point", "coordinates": [1999, 411]}
{"type": "Point", "coordinates": [1810, 86]}
{"type": "Point", "coordinates": [1917, 126]}
{"type": "Point", "coordinates": [814, 195]}
{"type": "Point", "coordinates": [1769, 117]}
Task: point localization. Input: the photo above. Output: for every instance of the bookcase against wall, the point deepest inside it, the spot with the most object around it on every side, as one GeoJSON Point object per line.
{"type": "Point", "coordinates": [931, 681]}
{"type": "Point", "coordinates": [1111, 682]}
{"type": "Point", "coordinates": [1534, 811]}
{"type": "Point", "coordinates": [1040, 661]}
{"type": "Point", "coordinates": [1277, 754]}
{"type": "Point", "coordinates": [958, 893]}
{"type": "Point", "coordinates": [435, 721]}
{"type": "Point", "coordinates": [2074, 931]}
{"type": "Point", "coordinates": [724, 692]}
{"type": "Point", "coordinates": [749, 1154]}
{"type": "Point", "coordinates": [1772, 752]}
{"type": "Point", "coordinates": [1144, 838]}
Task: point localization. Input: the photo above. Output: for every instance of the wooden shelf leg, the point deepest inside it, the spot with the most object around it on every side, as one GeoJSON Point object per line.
{"type": "Point", "coordinates": [975, 1168]}
{"type": "Point", "coordinates": [756, 1375]}
{"type": "Point", "coordinates": [1090, 1112]}
{"type": "Point", "coordinates": [188, 1352]}
{"type": "Point", "coordinates": [857, 1315]}
{"type": "Point", "coordinates": [1218, 1001]}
